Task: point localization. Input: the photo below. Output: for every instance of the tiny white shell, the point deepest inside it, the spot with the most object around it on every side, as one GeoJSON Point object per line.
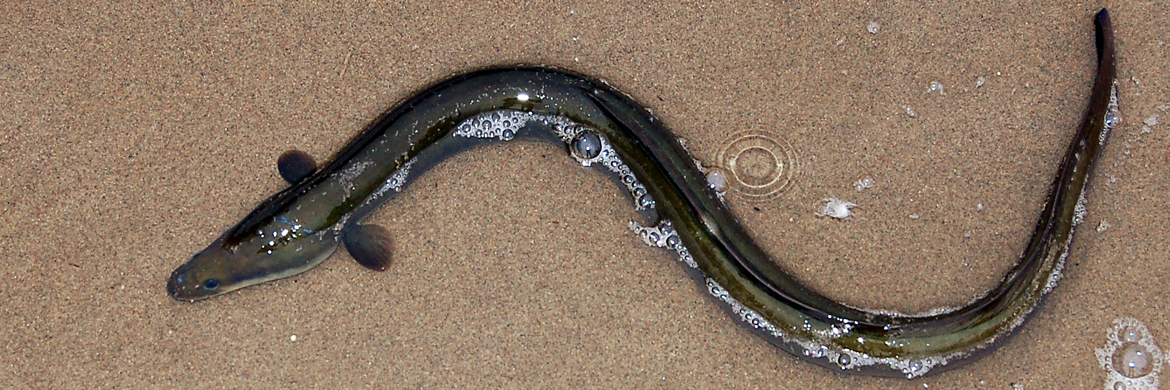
{"type": "Point", "coordinates": [836, 208]}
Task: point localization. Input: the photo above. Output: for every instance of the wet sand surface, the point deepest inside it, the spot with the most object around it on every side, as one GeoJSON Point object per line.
{"type": "Point", "coordinates": [131, 136]}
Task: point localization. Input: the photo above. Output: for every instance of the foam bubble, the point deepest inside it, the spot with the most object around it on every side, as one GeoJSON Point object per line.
{"type": "Point", "coordinates": [501, 124]}
{"type": "Point", "coordinates": [1112, 114]}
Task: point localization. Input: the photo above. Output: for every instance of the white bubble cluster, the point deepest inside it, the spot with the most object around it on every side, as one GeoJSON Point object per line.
{"type": "Point", "coordinates": [608, 158]}
{"type": "Point", "coordinates": [664, 236]}
{"type": "Point", "coordinates": [844, 358]}
{"type": "Point", "coordinates": [1130, 358]}
{"type": "Point", "coordinates": [394, 183]}
{"type": "Point", "coordinates": [502, 124]}
{"type": "Point", "coordinates": [1112, 113]}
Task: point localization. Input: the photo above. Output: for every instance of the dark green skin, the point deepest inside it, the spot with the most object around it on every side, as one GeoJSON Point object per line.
{"type": "Point", "coordinates": [320, 208]}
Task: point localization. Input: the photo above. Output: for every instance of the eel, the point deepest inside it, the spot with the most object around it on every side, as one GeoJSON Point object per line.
{"type": "Point", "coordinates": [299, 227]}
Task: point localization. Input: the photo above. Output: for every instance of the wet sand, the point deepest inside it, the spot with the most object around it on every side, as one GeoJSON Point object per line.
{"type": "Point", "coordinates": [132, 136]}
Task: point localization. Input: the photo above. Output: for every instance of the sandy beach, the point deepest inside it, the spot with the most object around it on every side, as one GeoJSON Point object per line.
{"type": "Point", "coordinates": [131, 136]}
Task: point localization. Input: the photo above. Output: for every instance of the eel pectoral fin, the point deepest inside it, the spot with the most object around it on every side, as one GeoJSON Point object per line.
{"type": "Point", "coordinates": [295, 165]}
{"type": "Point", "coordinates": [370, 245]}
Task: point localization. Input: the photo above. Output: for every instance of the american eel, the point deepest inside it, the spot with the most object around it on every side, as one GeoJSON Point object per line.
{"type": "Point", "coordinates": [301, 226]}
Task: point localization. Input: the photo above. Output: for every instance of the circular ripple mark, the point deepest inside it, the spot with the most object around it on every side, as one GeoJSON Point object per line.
{"type": "Point", "coordinates": [758, 164]}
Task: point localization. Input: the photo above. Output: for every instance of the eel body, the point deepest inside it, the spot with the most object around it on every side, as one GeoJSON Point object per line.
{"type": "Point", "coordinates": [301, 226]}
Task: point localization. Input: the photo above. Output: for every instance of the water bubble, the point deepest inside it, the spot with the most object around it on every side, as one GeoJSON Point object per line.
{"type": "Point", "coordinates": [717, 180]}
{"type": "Point", "coordinates": [936, 86]}
{"type": "Point", "coordinates": [1132, 360]}
{"type": "Point", "coordinates": [507, 135]}
{"type": "Point", "coordinates": [587, 145]}
{"type": "Point", "coordinates": [1128, 334]}
{"type": "Point", "coordinates": [1111, 118]}
{"type": "Point", "coordinates": [862, 184]}
{"type": "Point", "coordinates": [646, 201]}
{"type": "Point", "coordinates": [873, 27]}
{"type": "Point", "coordinates": [844, 360]}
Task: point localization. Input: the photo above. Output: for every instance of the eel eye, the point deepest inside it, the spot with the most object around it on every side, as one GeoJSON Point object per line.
{"type": "Point", "coordinates": [210, 284]}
